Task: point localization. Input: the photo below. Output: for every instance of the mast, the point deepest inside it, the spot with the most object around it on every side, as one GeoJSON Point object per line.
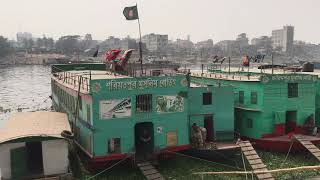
{"type": "Point", "coordinates": [140, 45]}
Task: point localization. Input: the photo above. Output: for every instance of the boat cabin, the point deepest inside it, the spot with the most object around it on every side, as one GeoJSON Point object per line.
{"type": "Point", "coordinates": [114, 115]}
{"type": "Point", "coordinates": [268, 105]}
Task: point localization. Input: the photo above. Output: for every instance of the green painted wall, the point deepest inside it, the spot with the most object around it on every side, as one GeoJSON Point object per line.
{"type": "Point", "coordinates": [272, 102]}
{"type": "Point", "coordinates": [124, 127]}
{"type": "Point", "coordinates": [222, 109]}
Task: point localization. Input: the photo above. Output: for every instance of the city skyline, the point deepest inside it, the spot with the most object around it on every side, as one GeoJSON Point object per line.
{"type": "Point", "coordinates": [205, 20]}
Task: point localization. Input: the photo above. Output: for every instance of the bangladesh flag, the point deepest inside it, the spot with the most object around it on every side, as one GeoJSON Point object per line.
{"type": "Point", "coordinates": [131, 13]}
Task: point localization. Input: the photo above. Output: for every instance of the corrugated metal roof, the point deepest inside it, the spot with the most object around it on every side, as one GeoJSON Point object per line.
{"type": "Point", "coordinates": [31, 124]}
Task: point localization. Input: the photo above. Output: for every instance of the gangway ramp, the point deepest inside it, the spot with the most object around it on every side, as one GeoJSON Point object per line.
{"type": "Point", "coordinates": [314, 150]}
{"type": "Point", "coordinates": [149, 171]}
{"type": "Point", "coordinates": [254, 160]}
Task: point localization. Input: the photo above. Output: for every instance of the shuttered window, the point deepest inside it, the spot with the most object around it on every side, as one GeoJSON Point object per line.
{"type": "Point", "coordinates": [207, 98]}
{"type": "Point", "coordinates": [144, 103]}
{"type": "Point", "coordinates": [114, 145]}
{"type": "Point", "coordinates": [254, 98]}
{"type": "Point", "coordinates": [292, 90]}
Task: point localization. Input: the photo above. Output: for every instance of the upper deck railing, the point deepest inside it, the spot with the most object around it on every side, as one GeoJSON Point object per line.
{"type": "Point", "coordinates": [74, 75]}
{"type": "Point", "coordinates": [71, 78]}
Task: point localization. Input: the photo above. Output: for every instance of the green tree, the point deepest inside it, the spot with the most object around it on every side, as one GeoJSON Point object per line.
{"type": "Point", "coordinates": [68, 44]}
{"type": "Point", "coordinates": [4, 47]}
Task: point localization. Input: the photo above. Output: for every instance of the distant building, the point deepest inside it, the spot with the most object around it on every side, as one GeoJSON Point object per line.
{"type": "Point", "coordinates": [263, 41]}
{"type": "Point", "coordinates": [226, 45]}
{"type": "Point", "coordinates": [128, 43]}
{"type": "Point", "coordinates": [263, 44]}
{"type": "Point", "coordinates": [184, 44]}
{"type": "Point", "coordinates": [155, 42]}
{"type": "Point", "coordinates": [22, 36]}
{"type": "Point", "coordinates": [112, 42]}
{"type": "Point", "coordinates": [242, 40]}
{"type": "Point", "coordinates": [208, 44]}
{"type": "Point", "coordinates": [282, 39]}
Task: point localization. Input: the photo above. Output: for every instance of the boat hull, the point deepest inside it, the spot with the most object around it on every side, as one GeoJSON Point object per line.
{"type": "Point", "coordinates": [281, 143]}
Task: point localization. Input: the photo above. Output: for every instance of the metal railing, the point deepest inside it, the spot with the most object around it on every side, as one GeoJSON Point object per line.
{"type": "Point", "coordinates": [72, 79]}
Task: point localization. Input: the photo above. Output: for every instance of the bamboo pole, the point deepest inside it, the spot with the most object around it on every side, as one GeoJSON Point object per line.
{"type": "Point", "coordinates": [259, 172]}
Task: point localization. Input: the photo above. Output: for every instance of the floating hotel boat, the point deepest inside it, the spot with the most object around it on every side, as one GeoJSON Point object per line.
{"type": "Point", "coordinates": [112, 112]}
{"type": "Point", "coordinates": [271, 106]}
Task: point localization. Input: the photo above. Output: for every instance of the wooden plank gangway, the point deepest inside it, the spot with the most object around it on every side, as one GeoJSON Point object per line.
{"type": "Point", "coordinates": [149, 171]}
{"type": "Point", "coordinates": [314, 150]}
{"type": "Point", "coordinates": [255, 161]}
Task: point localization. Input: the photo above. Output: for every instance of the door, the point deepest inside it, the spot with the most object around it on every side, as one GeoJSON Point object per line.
{"type": "Point", "coordinates": [144, 140]}
{"type": "Point", "coordinates": [18, 159]}
{"type": "Point", "coordinates": [34, 158]}
{"type": "Point", "coordinates": [291, 120]}
{"type": "Point", "coordinates": [208, 124]}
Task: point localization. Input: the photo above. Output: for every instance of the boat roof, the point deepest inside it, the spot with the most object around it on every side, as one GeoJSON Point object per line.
{"type": "Point", "coordinates": [241, 74]}
{"type": "Point", "coordinates": [34, 124]}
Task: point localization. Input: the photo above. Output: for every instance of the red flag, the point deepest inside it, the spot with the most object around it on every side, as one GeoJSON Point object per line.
{"type": "Point", "coordinates": [125, 57]}
{"type": "Point", "coordinates": [112, 54]}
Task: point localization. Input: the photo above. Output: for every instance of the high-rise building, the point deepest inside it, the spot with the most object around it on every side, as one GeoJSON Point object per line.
{"type": "Point", "coordinates": [22, 36]}
{"type": "Point", "coordinates": [155, 42]}
{"type": "Point", "coordinates": [282, 39]}
{"type": "Point", "coordinates": [242, 40]}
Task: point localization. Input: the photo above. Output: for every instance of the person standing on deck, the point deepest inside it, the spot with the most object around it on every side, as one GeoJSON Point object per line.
{"type": "Point", "coordinates": [196, 136]}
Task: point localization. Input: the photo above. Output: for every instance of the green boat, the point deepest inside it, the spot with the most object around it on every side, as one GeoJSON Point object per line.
{"type": "Point", "coordinates": [270, 108]}
{"type": "Point", "coordinates": [113, 114]}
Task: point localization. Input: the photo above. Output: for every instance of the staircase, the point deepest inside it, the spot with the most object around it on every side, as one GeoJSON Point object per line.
{"type": "Point", "coordinates": [149, 171]}
{"type": "Point", "coordinates": [255, 161]}
{"type": "Point", "coordinates": [315, 151]}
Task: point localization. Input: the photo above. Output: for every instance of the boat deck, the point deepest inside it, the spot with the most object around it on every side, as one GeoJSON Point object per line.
{"type": "Point", "coordinates": [72, 79]}
{"type": "Point", "coordinates": [286, 138]}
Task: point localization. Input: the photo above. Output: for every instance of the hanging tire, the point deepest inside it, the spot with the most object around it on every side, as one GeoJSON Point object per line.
{"type": "Point", "coordinates": [67, 134]}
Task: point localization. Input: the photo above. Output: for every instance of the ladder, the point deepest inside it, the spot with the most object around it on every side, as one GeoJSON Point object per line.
{"type": "Point", "coordinates": [315, 151]}
{"type": "Point", "coordinates": [149, 171]}
{"type": "Point", "coordinates": [254, 160]}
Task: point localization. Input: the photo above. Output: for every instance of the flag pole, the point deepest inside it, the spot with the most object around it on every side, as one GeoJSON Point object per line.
{"type": "Point", "coordinates": [140, 45]}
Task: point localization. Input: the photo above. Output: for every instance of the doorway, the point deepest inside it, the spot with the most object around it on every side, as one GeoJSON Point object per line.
{"type": "Point", "coordinates": [34, 158]}
{"type": "Point", "coordinates": [208, 124]}
{"type": "Point", "coordinates": [144, 139]}
{"type": "Point", "coordinates": [291, 120]}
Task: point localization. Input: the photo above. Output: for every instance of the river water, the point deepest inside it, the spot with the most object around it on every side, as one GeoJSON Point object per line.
{"type": "Point", "coordinates": [24, 88]}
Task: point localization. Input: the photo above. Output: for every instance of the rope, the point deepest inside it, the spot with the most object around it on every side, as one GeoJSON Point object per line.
{"type": "Point", "coordinates": [108, 168]}
{"type": "Point", "coordinates": [287, 153]}
{"type": "Point", "coordinates": [233, 167]}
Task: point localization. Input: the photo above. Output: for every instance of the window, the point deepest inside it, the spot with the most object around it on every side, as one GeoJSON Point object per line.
{"type": "Point", "coordinates": [114, 145]}
{"type": "Point", "coordinates": [292, 90]}
{"type": "Point", "coordinates": [88, 113]}
{"type": "Point", "coordinates": [207, 98]}
{"type": "Point", "coordinates": [249, 123]}
{"type": "Point", "coordinates": [254, 98]}
{"type": "Point", "coordinates": [241, 97]}
{"type": "Point", "coordinates": [172, 139]}
{"type": "Point", "coordinates": [144, 103]}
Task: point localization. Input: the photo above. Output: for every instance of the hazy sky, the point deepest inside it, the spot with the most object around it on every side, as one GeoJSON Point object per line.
{"type": "Point", "coordinates": [202, 19]}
